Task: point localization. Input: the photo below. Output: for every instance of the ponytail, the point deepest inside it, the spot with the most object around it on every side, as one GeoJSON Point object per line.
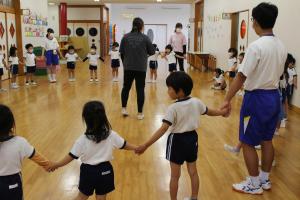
{"type": "Point", "coordinates": [137, 25]}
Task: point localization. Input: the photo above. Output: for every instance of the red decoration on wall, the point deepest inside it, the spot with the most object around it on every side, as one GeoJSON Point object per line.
{"type": "Point", "coordinates": [243, 29]}
{"type": "Point", "coordinates": [12, 30]}
{"type": "Point", "coordinates": [2, 30]}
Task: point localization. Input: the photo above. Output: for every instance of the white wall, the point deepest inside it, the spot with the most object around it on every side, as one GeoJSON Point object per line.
{"type": "Point", "coordinates": [39, 7]}
{"type": "Point", "coordinates": [287, 28]}
{"type": "Point", "coordinates": [83, 13]}
{"type": "Point", "coordinates": [151, 14]}
{"type": "Point", "coordinates": [53, 19]}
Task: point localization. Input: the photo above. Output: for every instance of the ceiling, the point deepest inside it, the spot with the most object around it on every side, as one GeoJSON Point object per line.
{"type": "Point", "coordinates": [92, 2]}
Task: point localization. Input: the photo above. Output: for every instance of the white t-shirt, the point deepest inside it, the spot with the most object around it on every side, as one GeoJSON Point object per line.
{"type": "Point", "coordinates": [282, 83]}
{"type": "Point", "coordinates": [183, 115]}
{"type": "Point", "coordinates": [71, 57]}
{"type": "Point", "coordinates": [219, 79]}
{"type": "Point", "coordinates": [13, 60]}
{"type": "Point", "coordinates": [30, 59]}
{"type": "Point", "coordinates": [51, 44]}
{"type": "Point", "coordinates": [264, 63]}
{"type": "Point", "coordinates": [154, 57]}
{"type": "Point", "coordinates": [12, 153]}
{"type": "Point", "coordinates": [93, 59]}
{"type": "Point", "coordinates": [114, 55]}
{"type": "Point", "coordinates": [231, 63]}
{"type": "Point", "coordinates": [171, 57]}
{"type": "Point", "coordinates": [93, 153]}
{"type": "Point", "coordinates": [1, 61]}
{"type": "Point", "coordinates": [292, 73]}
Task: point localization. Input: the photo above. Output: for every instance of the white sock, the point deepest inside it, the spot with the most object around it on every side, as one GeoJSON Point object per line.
{"type": "Point", "coordinates": [264, 176]}
{"type": "Point", "coordinates": [255, 181]}
{"type": "Point", "coordinates": [49, 77]}
{"type": "Point", "coordinates": [54, 76]}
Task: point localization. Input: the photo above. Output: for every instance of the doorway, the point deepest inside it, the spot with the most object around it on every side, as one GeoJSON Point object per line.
{"type": "Point", "coordinates": [157, 34]}
{"type": "Point", "coordinates": [239, 30]}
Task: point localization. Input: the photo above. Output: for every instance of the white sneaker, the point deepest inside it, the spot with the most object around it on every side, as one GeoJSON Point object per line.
{"type": "Point", "coordinates": [241, 93]}
{"type": "Point", "coordinates": [124, 112]}
{"type": "Point", "coordinates": [283, 124]}
{"type": "Point", "coordinates": [91, 80]}
{"type": "Point", "coordinates": [154, 81]}
{"type": "Point", "coordinates": [27, 83]}
{"type": "Point", "coordinates": [140, 116]}
{"type": "Point", "coordinates": [258, 147]}
{"type": "Point", "coordinates": [116, 80]}
{"type": "Point", "coordinates": [33, 83]}
{"type": "Point", "coordinates": [149, 81]}
{"type": "Point", "coordinates": [3, 90]}
{"type": "Point", "coordinates": [96, 80]}
{"type": "Point", "coordinates": [73, 79]}
{"type": "Point", "coordinates": [15, 86]}
{"type": "Point", "coordinates": [277, 133]}
{"type": "Point", "coordinates": [266, 185]}
{"type": "Point", "coordinates": [247, 187]}
{"type": "Point", "coordinates": [273, 163]}
{"type": "Point", "coordinates": [70, 80]}
{"type": "Point", "coordinates": [231, 149]}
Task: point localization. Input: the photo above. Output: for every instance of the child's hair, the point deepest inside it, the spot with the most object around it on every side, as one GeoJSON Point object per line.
{"type": "Point", "coordinates": [93, 47]}
{"type": "Point", "coordinates": [97, 125]}
{"type": "Point", "coordinates": [180, 80]}
{"type": "Point", "coordinates": [242, 54]}
{"type": "Point", "coordinates": [265, 14]}
{"type": "Point", "coordinates": [7, 122]}
{"type": "Point", "coordinates": [12, 51]}
{"type": "Point", "coordinates": [233, 51]}
{"type": "Point", "coordinates": [169, 47]}
{"type": "Point", "coordinates": [219, 71]}
{"type": "Point", "coordinates": [155, 47]}
{"type": "Point", "coordinates": [27, 46]}
{"type": "Point", "coordinates": [71, 47]}
{"type": "Point", "coordinates": [115, 44]}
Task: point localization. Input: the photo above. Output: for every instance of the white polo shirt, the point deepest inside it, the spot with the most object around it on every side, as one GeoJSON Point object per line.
{"type": "Point", "coordinates": [12, 153]}
{"type": "Point", "coordinates": [154, 57]}
{"type": "Point", "coordinates": [1, 61]}
{"type": "Point", "coordinates": [51, 44]}
{"type": "Point", "coordinates": [292, 73]}
{"type": "Point", "coordinates": [30, 59]}
{"type": "Point", "coordinates": [171, 57]}
{"type": "Point", "coordinates": [93, 153]}
{"type": "Point", "coordinates": [13, 60]}
{"type": "Point", "coordinates": [93, 59]}
{"type": "Point", "coordinates": [231, 63]}
{"type": "Point", "coordinates": [114, 55]}
{"type": "Point", "coordinates": [219, 79]}
{"type": "Point", "coordinates": [183, 115]}
{"type": "Point", "coordinates": [71, 57]}
{"type": "Point", "coordinates": [264, 63]}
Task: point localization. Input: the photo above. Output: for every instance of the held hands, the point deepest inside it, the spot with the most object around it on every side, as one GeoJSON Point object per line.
{"type": "Point", "coordinates": [226, 109]}
{"type": "Point", "coordinates": [140, 149]}
{"type": "Point", "coordinates": [51, 167]}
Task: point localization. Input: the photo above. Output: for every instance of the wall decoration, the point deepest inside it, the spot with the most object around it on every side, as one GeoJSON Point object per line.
{"type": "Point", "coordinates": [35, 25]}
{"type": "Point", "coordinates": [243, 29]}
{"type": "Point", "coordinates": [12, 30]}
{"type": "Point", "coordinates": [2, 30]}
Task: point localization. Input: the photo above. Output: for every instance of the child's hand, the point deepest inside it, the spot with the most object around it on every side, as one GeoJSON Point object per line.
{"type": "Point", "coordinates": [52, 167]}
{"type": "Point", "coordinates": [140, 149]}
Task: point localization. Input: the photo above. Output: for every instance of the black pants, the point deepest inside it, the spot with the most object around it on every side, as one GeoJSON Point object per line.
{"type": "Point", "coordinates": [180, 61]}
{"type": "Point", "coordinates": [11, 187]}
{"type": "Point", "coordinates": [129, 77]}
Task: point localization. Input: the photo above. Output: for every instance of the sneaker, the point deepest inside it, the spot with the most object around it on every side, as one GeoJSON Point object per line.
{"type": "Point", "coordinates": [149, 81]}
{"type": "Point", "coordinates": [258, 147]}
{"type": "Point", "coordinates": [73, 79]}
{"type": "Point", "coordinates": [124, 112]}
{"type": "Point", "coordinates": [33, 83]}
{"type": "Point", "coordinates": [96, 80]}
{"type": "Point", "coordinates": [231, 149]}
{"type": "Point", "coordinates": [116, 80]}
{"type": "Point", "coordinates": [3, 90]}
{"type": "Point", "coordinates": [140, 116]}
{"type": "Point", "coordinates": [154, 81]}
{"type": "Point", "coordinates": [70, 80]}
{"type": "Point", "coordinates": [283, 124]}
{"type": "Point", "coordinates": [15, 86]}
{"type": "Point", "coordinates": [247, 187]}
{"type": "Point", "coordinates": [27, 83]}
{"type": "Point", "coordinates": [266, 185]}
{"type": "Point", "coordinates": [277, 132]}
{"type": "Point", "coordinates": [91, 80]}
{"type": "Point", "coordinates": [241, 93]}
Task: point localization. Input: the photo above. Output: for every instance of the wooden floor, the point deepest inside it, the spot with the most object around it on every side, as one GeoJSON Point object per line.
{"type": "Point", "coordinates": [49, 116]}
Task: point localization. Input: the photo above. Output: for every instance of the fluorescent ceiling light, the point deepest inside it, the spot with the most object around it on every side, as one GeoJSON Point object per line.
{"type": "Point", "coordinates": [51, 4]}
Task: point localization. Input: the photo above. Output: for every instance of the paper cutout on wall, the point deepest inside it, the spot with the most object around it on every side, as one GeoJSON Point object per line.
{"type": "Point", "coordinates": [12, 30]}
{"type": "Point", "coordinates": [243, 30]}
{"type": "Point", "coordinates": [2, 30]}
{"type": "Point", "coordinates": [35, 25]}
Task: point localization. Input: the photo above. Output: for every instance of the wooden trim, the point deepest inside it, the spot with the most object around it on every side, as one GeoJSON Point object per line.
{"type": "Point", "coordinates": [295, 108]}
{"type": "Point", "coordinates": [107, 30]}
{"type": "Point", "coordinates": [83, 21]}
{"type": "Point", "coordinates": [102, 51]}
{"type": "Point", "coordinates": [7, 9]}
{"type": "Point", "coordinates": [236, 12]}
{"type": "Point", "coordinates": [18, 20]}
{"type": "Point", "coordinates": [84, 6]}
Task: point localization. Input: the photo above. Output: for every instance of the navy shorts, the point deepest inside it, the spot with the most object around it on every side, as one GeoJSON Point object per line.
{"type": "Point", "coordinates": [96, 178]}
{"type": "Point", "coordinates": [52, 57]}
{"type": "Point", "coordinates": [11, 187]}
{"type": "Point", "coordinates": [232, 74]}
{"type": "Point", "coordinates": [115, 63]}
{"type": "Point", "coordinates": [14, 69]}
{"type": "Point", "coordinates": [30, 69]}
{"type": "Point", "coordinates": [182, 147]}
{"type": "Point", "coordinates": [71, 65]}
{"type": "Point", "coordinates": [1, 72]}
{"type": "Point", "coordinates": [172, 67]}
{"type": "Point", "coordinates": [93, 67]}
{"type": "Point", "coordinates": [153, 64]}
{"type": "Point", "coordinates": [259, 116]}
{"type": "Point", "coordinates": [289, 92]}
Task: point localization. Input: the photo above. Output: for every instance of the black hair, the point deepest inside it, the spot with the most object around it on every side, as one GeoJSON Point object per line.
{"type": "Point", "coordinates": [50, 30]}
{"type": "Point", "coordinates": [137, 25]}
{"type": "Point", "coordinates": [169, 47]}
{"type": "Point", "coordinates": [242, 54]}
{"type": "Point", "coordinates": [115, 44]}
{"type": "Point", "coordinates": [12, 51]}
{"type": "Point", "coordinates": [180, 80]}
{"type": "Point", "coordinates": [233, 51]}
{"type": "Point", "coordinates": [71, 47]}
{"type": "Point", "coordinates": [93, 47]}
{"type": "Point", "coordinates": [27, 46]}
{"type": "Point", "coordinates": [265, 14]}
{"type": "Point", "coordinates": [97, 125]}
{"type": "Point", "coordinates": [155, 47]}
{"type": "Point", "coordinates": [7, 122]}
{"type": "Point", "coordinates": [290, 59]}
{"type": "Point", "coordinates": [178, 25]}
{"type": "Point", "coordinates": [219, 71]}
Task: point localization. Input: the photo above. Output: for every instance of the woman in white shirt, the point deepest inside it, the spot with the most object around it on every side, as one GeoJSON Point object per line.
{"type": "Point", "coordinates": [52, 55]}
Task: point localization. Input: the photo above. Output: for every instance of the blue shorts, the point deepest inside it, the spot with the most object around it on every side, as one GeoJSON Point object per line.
{"type": "Point", "coordinates": [52, 59]}
{"type": "Point", "coordinates": [14, 69]}
{"type": "Point", "coordinates": [259, 116]}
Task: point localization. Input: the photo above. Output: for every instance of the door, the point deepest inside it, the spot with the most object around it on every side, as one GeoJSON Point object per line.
{"type": "Point", "coordinates": [157, 34]}
{"type": "Point", "coordinates": [243, 31]}
{"type": "Point", "coordinates": [3, 41]}
{"type": "Point", "coordinates": [94, 35]}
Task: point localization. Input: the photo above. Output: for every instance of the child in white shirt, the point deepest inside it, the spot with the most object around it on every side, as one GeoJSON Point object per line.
{"type": "Point", "coordinates": [13, 62]}
{"type": "Point", "coordinates": [219, 80]}
{"type": "Point", "coordinates": [30, 65]}
{"type": "Point", "coordinates": [71, 57]}
{"type": "Point", "coordinates": [153, 65]}
{"type": "Point", "coordinates": [292, 78]}
{"type": "Point", "coordinates": [115, 61]}
{"type": "Point", "coordinates": [2, 66]}
{"type": "Point", "coordinates": [170, 56]}
{"type": "Point", "coordinates": [93, 58]}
